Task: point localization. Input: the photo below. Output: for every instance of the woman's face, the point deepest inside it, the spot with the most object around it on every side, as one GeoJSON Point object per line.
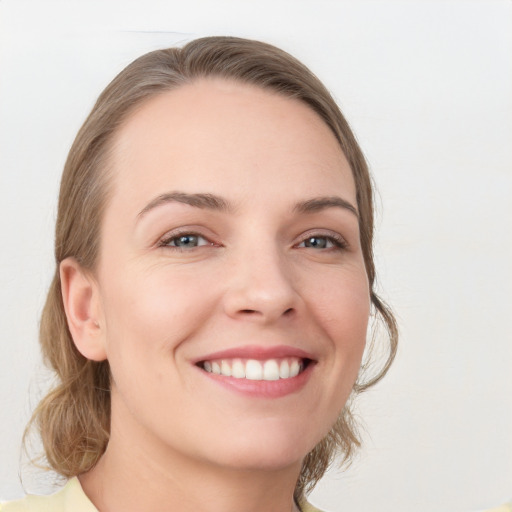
{"type": "Point", "coordinates": [230, 244]}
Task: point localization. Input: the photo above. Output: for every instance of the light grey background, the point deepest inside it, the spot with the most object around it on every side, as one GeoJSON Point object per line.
{"type": "Point", "coordinates": [427, 87]}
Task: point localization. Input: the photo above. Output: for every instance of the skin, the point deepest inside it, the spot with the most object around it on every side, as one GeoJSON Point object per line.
{"type": "Point", "coordinates": [179, 440]}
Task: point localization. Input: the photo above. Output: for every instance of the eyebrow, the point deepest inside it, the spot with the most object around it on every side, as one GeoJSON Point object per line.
{"type": "Point", "coordinates": [321, 203]}
{"type": "Point", "coordinates": [214, 202]}
{"type": "Point", "coordinates": [205, 201]}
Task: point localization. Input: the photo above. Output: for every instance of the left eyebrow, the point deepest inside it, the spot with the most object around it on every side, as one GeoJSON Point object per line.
{"type": "Point", "coordinates": [321, 203]}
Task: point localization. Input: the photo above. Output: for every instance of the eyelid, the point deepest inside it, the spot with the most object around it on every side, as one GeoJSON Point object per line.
{"type": "Point", "coordinates": [165, 239]}
{"type": "Point", "coordinates": [337, 239]}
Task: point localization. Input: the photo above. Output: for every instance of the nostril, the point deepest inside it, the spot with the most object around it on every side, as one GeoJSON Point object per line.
{"type": "Point", "coordinates": [288, 312]}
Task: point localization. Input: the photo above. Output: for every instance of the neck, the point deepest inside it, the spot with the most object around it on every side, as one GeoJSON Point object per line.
{"type": "Point", "coordinates": [134, 477]}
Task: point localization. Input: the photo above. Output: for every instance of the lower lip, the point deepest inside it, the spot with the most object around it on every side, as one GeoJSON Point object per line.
{"type": "Point", "coordinates": [263, 388]}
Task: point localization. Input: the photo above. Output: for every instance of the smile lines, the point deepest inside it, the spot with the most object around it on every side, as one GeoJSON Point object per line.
{"type": "Point", "coordinates": [252, 369]}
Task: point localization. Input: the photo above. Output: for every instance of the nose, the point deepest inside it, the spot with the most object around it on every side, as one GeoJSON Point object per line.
{"type": "Point", "coordinates": [260, 288]}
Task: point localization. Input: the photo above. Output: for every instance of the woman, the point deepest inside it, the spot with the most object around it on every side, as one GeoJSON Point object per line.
{"type": "Point", "coordinates": [214, 281]}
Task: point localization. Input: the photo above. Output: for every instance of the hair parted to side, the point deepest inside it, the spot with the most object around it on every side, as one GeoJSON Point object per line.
{"type": "Point", "coordinates": [74, 418]}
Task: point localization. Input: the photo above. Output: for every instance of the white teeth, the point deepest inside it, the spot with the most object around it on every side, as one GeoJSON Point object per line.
{"type": "Point", "coordinates": [238, 369]}
{"type": "Point", "coordinates": [225, 369]}
{"type": "Point", "coordinates": [253, 369]}
{"type": "Point", "coordinates": [294, 369]}
{"type": "Point", "coordinates": [271, 370]}
{"type": "Point", "coordinates": [284, 369]}
{"type": "Point", "coordinates": [216, 368]}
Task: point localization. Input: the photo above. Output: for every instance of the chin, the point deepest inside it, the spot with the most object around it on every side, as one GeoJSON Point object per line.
{"type": "Point", "coordinates": [264, 460]}
{"type": "Point", "coordinates": [269, 450]}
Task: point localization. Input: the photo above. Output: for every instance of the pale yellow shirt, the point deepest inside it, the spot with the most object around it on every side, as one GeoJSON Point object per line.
{"type": "Point", "coordinates": [71, 498]}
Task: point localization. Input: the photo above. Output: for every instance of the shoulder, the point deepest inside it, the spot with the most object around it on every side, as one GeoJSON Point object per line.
{"type": "Point", "coordinates": [504, 508]}
{"type": "Point", "coordinates": [307, 507]}
{"type": "Point", "coordinates": [71, 498]}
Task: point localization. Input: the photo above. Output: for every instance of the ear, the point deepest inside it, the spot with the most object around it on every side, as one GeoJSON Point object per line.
{"type": "Point", "coordinates": [80, 295]}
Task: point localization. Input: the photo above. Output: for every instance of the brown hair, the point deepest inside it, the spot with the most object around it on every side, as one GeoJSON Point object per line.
{"type": "Point", "coordinates": [74, 418]}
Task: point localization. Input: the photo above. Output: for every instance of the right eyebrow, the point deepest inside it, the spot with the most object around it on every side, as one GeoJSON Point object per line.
{"type": "Point", "coordinates": [206, 201]}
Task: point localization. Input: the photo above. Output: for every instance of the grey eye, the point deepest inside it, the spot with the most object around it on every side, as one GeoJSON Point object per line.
{"type": "Point", "coordinates": [317, 242]}
{"type": "Point", "coordinates": [188, 240]}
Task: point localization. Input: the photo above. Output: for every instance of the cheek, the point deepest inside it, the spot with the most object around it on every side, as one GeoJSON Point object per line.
{"type": "Point", "coordinates": [343, 302]}
{"type": "Point", "coordinates": [342, 308]}
{"type": "Point", "coordinates": [150, 313]}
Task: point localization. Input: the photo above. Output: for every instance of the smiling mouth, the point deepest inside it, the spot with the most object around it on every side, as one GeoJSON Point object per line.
{"type": "Point", "coordinates": [254, 369]}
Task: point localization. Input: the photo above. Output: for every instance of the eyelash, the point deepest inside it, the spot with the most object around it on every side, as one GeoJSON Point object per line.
{"type": "Point", "coordinates": [166, 241]}
{"type": "Point", "coordinates": [337, 241]}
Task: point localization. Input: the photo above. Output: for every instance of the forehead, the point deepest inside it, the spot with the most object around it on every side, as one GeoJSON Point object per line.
{"type": "Point", "coordinates": [219, 136]}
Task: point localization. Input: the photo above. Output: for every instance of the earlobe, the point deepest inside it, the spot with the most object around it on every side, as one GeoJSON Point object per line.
{"type": "Point", "coordinates": [81, 300]}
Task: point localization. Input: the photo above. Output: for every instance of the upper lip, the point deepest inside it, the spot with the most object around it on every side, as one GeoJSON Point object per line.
{"type": "Point", "coordinates": [257, 352]}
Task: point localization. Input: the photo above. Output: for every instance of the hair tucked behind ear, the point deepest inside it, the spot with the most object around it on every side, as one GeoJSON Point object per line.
{"type": "Point", "coordinates": [74, 418]}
